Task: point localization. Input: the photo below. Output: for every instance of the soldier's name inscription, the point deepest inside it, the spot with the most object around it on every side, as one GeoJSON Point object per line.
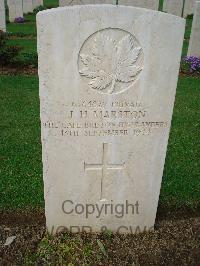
{"type": "Point", "coordinates": [98, 118]}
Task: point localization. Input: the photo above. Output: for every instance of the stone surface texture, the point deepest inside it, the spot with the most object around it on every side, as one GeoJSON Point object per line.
{"type": "Point", "coordinates": [174, 7]}
{"type": "Point", "coordinates": [189, 7]}
{"type": "Point", "coordinates": [194, 45]}
{"type": "Point", "coordinates": [15, 9]}
{"type": "Point", "coordinates": [37, 3]}
{"type": "Point", "coordinates": [149, 4]}
{"type": "Point", "coordinates": [27, 6]}
{"type": "Point", "coordinates": [63, 3]}
{"type": "Point", "coordinates": [2, 16]}
{"type": "Point", "coordinates": [107, 77]}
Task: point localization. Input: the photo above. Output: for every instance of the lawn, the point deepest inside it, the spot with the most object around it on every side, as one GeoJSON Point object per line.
{"type": "Point", "coordinates": [20, 148]}
{"type": "Point", "coordinates": [181, 182]}
{"type": "Point", "coordinates": [27, 45]}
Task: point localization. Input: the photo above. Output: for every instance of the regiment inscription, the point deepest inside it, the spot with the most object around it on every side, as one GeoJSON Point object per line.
{"type": "Point", "coordinates": [92, 118]}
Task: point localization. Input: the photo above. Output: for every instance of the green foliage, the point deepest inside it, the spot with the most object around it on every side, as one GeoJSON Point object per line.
{"type": "Point", "coordinates": [38, 9]}
{"type": "Point", "coordinates": [102, 248]}
{"type": "Point", "coordinates": [67, 249]}
{"type": "Point", "coordinates": [191, 65]}
{"type": "Point", "coordinates": [27, 58]}
{"type": "Point", "coordinates": [14, 55]}
{"type": "Point", "coordinates": [187, 36]}
{"type": "Point", "coordinates": [8, 54]}
{"type": "Point", "coordinates": [190, 16]}
{"type": "Point", "coordinates": [185, 67]}
{"type": "Point", "coordinates": [160, 8]}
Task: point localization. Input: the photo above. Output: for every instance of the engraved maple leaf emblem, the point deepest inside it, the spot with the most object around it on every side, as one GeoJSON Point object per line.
{"type": "Point", "coordinates": [110, 61]}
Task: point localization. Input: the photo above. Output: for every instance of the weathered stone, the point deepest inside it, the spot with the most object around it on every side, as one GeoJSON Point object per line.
{"type": "Point", "coordinates": [189, 7]}
{"type": "Point", "coordinates": [108, 77]}
{"type": "Point", "coordinates": [37, 3]}
{"type": "Point", "coordinates": [15, 9]}
{"type": "Point", "coordinates": [174, 7]}
{"type": "Point", "coordinates": [194, 45]}
{"type": "Point", "coordinates": [2, 16]}
{"type": "Point", "coordinates": [149, 4]}
{"type": "Point", "coordinates": [27, 6]}
{"type": "Point", "coordinates": [85, 2]}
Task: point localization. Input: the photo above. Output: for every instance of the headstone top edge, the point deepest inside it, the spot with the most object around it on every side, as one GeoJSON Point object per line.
{"type": "Point", "coordinates": [103, 6]}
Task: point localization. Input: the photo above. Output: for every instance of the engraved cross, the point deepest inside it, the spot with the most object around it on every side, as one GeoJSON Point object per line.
{"type": "Point", "coordinates": [104, 167]}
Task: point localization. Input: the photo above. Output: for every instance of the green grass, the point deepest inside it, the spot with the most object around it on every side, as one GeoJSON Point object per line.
{"type": "Point", "coordinates": [28, 28]}
{"type": "Point", "coordinates": [181, 182]}
{"type": "Point", "coordinates": [187, 36]}
{"type": "Point", "coordinates": [188, 28]}
{"type": "Point", "coordinates": [160, 8]}
{"type": "Point", "coordinates": [20, 148]}
{"type": "Point", "coordinates": [51, 3]}
{"type": "Point", "coordinates": [31, 17]}
{"type": "Point", "coordinates": [28, 45]}
{"type": "Point", "coordinates": [185, 47]}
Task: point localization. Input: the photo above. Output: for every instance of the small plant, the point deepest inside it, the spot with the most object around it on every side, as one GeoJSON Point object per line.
{"type": "Point", "coordinates": [19, 20]}
{"type": "Point", "coordinates": [8, 54]}
{"type": "Point", "coordinates": [39, 8]}
{"type": "Point", "coordinates": [191, 64]}
{"type": "Point", "coordinates": [101, 247]}
{"type": "Point", "coordinates": [14, 56]}
{"type": "Point", "coordinates": [190, 16]}
{"type": "Point", "coordinates": [28, 59]}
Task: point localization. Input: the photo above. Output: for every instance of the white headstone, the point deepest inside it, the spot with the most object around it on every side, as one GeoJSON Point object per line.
{"type": "Point", "coordinates": [194, 45]}
{"type": "Point", "coordinates": [108, 77]}
{"type": "Point", "coordinates": [189, 8]}
{"type": "Point", "coordinates": [37, 3]}
{"type": "Point", "coordinates": [2, 16]}
{"type": "Point", "coordinates": [149, 4]}
{"type": "Point", "coordinates": [27, 6]}
{"type": "Point", "coordinates": [85, 2]}
{"type": "Point", "coordinates": [15, 9]}
{"type": "Point", "coordinates": [174, 7]}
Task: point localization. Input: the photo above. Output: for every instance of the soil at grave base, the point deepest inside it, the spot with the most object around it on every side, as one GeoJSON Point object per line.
{"type": "Point", "coordinates": [174, 241]}
{"type": "Point", "coordinates": [183, 73]}
{"type": "Point", "coordinates": [27, 70]}
{"type": "Point", "coordinates": [31, 70]}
